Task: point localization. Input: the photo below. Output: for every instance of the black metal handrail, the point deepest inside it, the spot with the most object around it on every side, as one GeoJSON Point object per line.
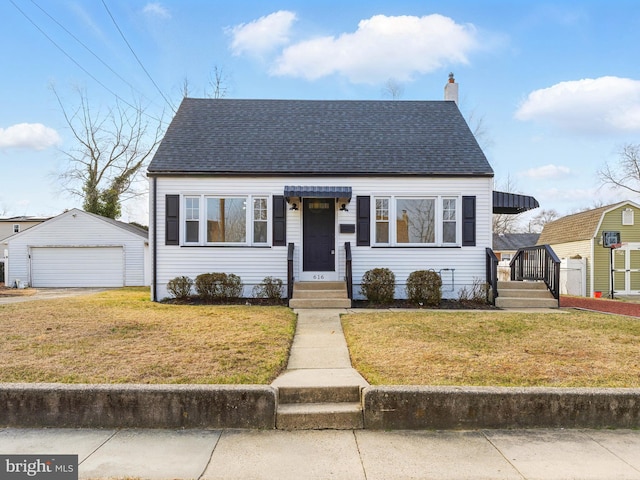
{"type": "Point", "coordinates": [348, 269]}
{"type": "Point", "coordinates": [539, 263]}
{"type": "Point", "coordinates": [290, 271]}
{"type": "Point", "coordinates": [492, 276]}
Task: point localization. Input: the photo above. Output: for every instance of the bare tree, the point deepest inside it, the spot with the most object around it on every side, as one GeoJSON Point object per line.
{"type": "Point", "coordinates": [112, 149]}
{"type": "Point", "coordinates": [392, 89]}
{"type": "Point", "coordinates": [219, 83]}
{"type": "Point", "coordinates": [505, 222]}
{"type": "Point", "coordinates": [626, 172]}
{"type": "Point", "coordinates": [537, 223]}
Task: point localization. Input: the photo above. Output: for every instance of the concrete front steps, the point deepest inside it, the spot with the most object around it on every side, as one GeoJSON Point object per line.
{"type": "Point", "coordinates": [524, 295]}
{"type": "Point", "coordinates": [319, 408]}
{"type": "Point", "coordinates": [320, 295]}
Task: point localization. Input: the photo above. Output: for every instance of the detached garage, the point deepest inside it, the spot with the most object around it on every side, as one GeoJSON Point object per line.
{"type": "Point", "coordinates": [78, 249]}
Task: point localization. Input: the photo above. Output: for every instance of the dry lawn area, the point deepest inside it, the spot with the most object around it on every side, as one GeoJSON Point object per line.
{"type": "Point", "coordinates": [483, 348]}
{"type": "Point", "coordinates": [120, 336]}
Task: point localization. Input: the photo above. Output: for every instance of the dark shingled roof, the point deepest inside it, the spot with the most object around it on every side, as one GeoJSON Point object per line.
{"type": "Point", "coordinates": [317, 137]}
{"type": "Point", "coordinates": [514, 241]}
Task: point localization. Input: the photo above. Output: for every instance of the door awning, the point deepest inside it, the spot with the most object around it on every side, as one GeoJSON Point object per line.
{"type": "Point", "coordinates": [513, 203]}
{"type": "Point", "coordinates": [316, 192]}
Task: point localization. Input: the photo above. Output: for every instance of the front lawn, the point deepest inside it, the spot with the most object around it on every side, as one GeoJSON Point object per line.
{"type": "Point", "coordinates": [120, 336]}
{"type": "Point", "coordinates": [568, 348]}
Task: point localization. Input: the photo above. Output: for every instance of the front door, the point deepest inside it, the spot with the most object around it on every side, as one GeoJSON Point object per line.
{"type": "Point", "coordinates": [318, 242]}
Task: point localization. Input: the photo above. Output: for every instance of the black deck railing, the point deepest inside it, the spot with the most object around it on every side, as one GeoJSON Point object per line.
{"type": "Point", "coordinates": [539, 263]}
{"type": "Point", "coordinates": [348, 269]}
{"type": "Point", "coordinates": [290, 278]}
{"type": "Point", "coordinates": [492, 276]}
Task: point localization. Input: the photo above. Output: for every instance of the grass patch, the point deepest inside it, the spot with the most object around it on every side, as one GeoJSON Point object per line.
{"type": "Point", "coordinates": [120, 336]}
{"type": "Point", "coordinates": [564, 349]}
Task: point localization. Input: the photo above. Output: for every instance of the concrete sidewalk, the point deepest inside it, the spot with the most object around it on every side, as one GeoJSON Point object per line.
{"type": "Point", "coordinates": [351, 454]}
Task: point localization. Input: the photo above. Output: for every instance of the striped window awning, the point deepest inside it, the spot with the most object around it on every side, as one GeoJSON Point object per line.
{"type": "Point", "coordinates": [513, 203]}
{"type": "Point", "coordinates": [316, 192]}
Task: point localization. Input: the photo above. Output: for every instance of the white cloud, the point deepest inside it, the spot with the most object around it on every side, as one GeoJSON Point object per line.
{"type": "Point", "coordinates": [547, 172]}
{"type": "Point", "coordinates": [262, 35]}
{"type": "Point", "coordinates": [28, 135]}
{"type": "Point", "coordinates": [156, 10]}
{"type": "Point", "coordinates": [600, 105]}
{"type": "Point", "coordinates": [382, 47]}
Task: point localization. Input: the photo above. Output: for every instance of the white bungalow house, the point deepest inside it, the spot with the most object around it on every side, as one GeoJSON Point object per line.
{"type": "Point", "coordinates": [321, 191]}
{"type": "Point", "coordinates": [78, 249]}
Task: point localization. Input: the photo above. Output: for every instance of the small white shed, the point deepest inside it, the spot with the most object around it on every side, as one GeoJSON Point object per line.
{"type": "Point", "coordinates": [78, 249]}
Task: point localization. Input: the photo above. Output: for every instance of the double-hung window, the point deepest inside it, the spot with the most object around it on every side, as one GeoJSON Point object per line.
{"type": "Point", "coordinates": [192, 219]}
{"type": "Point", "coordinates": [417, 221]}
{"type": "Point", "coordinates": [226, 220]}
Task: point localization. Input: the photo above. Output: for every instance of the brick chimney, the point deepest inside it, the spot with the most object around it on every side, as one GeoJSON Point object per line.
{"type": "Point", "coordinates": [451, 89]}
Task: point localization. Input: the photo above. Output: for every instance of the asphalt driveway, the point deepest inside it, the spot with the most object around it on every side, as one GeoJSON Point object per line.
{"type": "Point", "coordinates": [48, 294]}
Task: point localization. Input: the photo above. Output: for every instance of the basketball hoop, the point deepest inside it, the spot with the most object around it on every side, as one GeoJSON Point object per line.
{"type": "Point", "coordinates": [613, 246]}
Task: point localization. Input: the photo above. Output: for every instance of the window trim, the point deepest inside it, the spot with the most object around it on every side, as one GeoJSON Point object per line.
{"type": "Point", "coordinates": [16, 228]}
{"type": "Point", "coordinates": [249, 220]}
{"type": "Point", "coordinates": [438, 215]}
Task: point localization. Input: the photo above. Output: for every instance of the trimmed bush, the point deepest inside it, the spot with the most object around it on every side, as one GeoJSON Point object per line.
{"type": "Point", "coordinates": [218, 286]}
{"type": "Point", "coordinates": [180, 287]}
{"type": "Point", "coordinates": [378, 285]}
{"type": "Point", "coordinates": [269, 288]}
{"type": "Point", "coordinates": [232, 287]}
{"type": "Point", "coordinates": [424, 287]}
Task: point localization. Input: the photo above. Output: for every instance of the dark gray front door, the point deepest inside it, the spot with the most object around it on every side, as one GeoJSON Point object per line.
{"type": "Point", "coordinates": [318, 230]}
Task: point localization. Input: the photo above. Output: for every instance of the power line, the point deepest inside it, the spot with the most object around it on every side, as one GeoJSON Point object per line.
{"type": "Point", "coordinates": [80, 66]}
{"type": "Point", "coordinates": [87, 48]}
{"type": "Point", "coordinates": [137, 59]}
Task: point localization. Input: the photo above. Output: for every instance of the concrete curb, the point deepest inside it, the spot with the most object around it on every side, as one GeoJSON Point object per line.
{"type": "Point", "coordinates": [492, 407]}
{"type": "Point", "coordinates": [254, 407]}
{"type": "Point", "coordinates": [137, 406]}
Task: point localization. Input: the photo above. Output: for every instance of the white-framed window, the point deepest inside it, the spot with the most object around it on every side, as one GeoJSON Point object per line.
{"type": "Point", "coordinates": [627, 216]}
{"type": "Point", "coordinates": [382, 220]}
{"type": "Point", "coordinates": [192, 219]}
{"type": "Point", "coordinates": [226, 220]}
{"type": "Point", "coordinates": [16, 228]}
{"type": "Point", "coordinates": [417, 221]}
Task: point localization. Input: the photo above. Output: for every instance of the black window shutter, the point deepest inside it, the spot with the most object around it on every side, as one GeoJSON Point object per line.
{"type": "Point", "coordinates": [363, 221]}
{"type": "Point", "coordinates": [279, 221]}
{"type": "Point", "coordinates": [172, 220]}
{"type": "Point", "coordinates": [468, 221]}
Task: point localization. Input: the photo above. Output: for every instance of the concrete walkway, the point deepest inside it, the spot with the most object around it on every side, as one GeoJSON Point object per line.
{"type": "Point", "coordinates": [352, 455]}
{"type": "Point", "coordinates": [319, 354]}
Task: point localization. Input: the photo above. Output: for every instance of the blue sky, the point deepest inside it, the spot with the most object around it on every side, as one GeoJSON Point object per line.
{"type": "Point", "coordinates": [555, 84]}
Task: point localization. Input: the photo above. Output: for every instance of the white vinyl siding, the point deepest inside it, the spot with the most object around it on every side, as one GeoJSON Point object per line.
{"type": "Point", "coordinates": [254, 262]}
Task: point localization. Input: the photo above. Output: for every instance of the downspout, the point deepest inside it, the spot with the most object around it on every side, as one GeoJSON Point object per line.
{"type": "Point", "coordinates": [154, 261]}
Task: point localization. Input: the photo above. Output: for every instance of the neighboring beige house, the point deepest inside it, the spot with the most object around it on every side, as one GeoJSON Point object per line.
{"type": "Point", "coordinates": [581, 236]}
{"type": "Point", "coordinates": [11, 225]}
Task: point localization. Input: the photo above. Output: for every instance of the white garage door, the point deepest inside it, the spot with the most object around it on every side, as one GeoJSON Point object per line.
{"type": "Point", "coordinates": [77, 267]}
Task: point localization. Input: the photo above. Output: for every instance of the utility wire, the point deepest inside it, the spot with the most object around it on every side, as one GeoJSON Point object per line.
{"type": "Point", "coordinates": [88, 49]}
{"type": "Point", "coordinates": [136, 57]}
{"type": "Point", "coordinates": [80, 66]}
